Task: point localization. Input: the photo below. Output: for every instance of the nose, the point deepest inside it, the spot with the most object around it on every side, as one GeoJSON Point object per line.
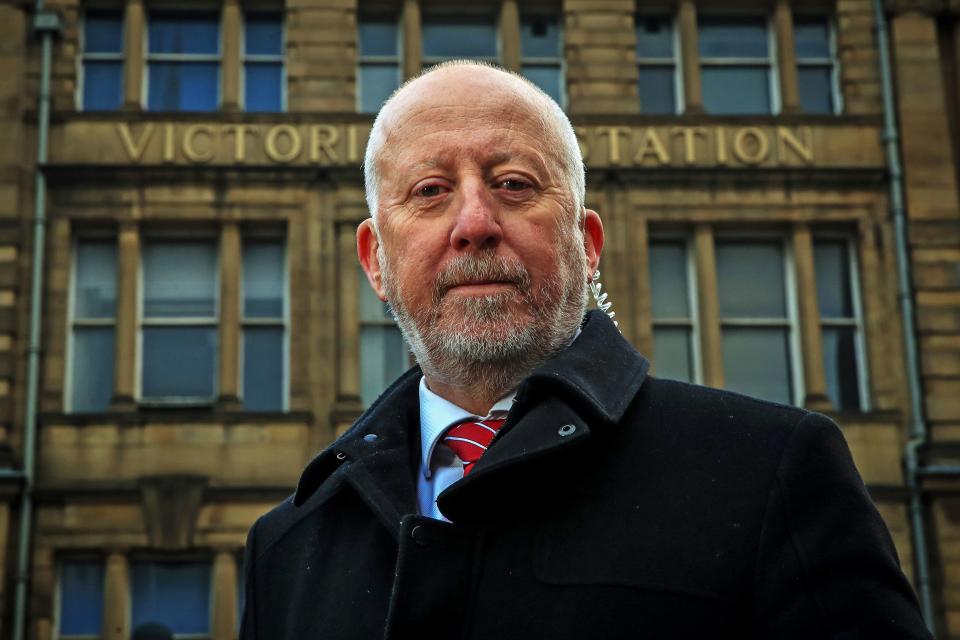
{"type": "Point", "coordinates": [477, 224]}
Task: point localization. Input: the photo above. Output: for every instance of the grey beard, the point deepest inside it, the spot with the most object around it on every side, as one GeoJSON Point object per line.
{"type": "Point", "coordinates": [507, 348]}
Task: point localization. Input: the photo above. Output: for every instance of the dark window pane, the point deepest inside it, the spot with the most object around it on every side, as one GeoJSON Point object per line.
{"type": "Point", "coordinates": [378, 36]}
{"type": "Point", "coordinates": [176, 595]}
{"type": "Point", "coordinates": [263, 87]}
{"type": "Point", "coordinates": [840, 366]}
{"type": "Point", "coordinates": [263, 371]}
{"type": "Point", "coordinates": [179, 361]}
{"type": "Point", "coordinates": [263, 278]}
{"type": "Point", "coordinates": [540, 37]}
{"type": "Point", "coordinates": [95, 295]}
{"type": "Point", "coordinates": [184, 86]}
{"type": "Point", "coordinates": [657, 90]}
{"type": "Point", "coordinates": [179, 279]}
{"type": "Point", "coordinates": [103, 31]}
{"type": "Point", "coordinates": [672, 355]}
{"type": "Point", "coordinates": [102, 85]}
{"type": "Point", "coordinates": [731, 37]}
{"type": "Point", "coordinates": [816, 89]}
{"type": "Point", "coordinates": [184, 32]}
{"type": "Point", "coordinates": [383, 357]}
{"type": "Point", "coordinates": [654, 37]}
{"type": "Point", "coordinates": [668, 280]}
{"type": "Point", "coordinates": [459, 36]}
{"type": "Point", "coordinates": [832, 266]}
{"type": "Point", "coordinates": [736, 90]}
{"type": "Point", "coordinates": [81, 598]}
{"type": "Point", "coordinates": [750, 279]}
{"type": "Point", "coordinates": [547, 77]}
{"type": "Point", "coordinates": [377, 82]}
{"type": "Point", "coordinates": [92, 369]}
{"type": "Point", "coordinates": [756, 361]}
{"type": "Point", "coordinates": [812, 36]}
{"type": "Point", "coordinates": [264, 33]}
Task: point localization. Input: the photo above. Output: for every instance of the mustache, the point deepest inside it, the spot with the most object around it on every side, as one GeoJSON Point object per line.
{"type": "Point", "coordinates": [485, 267]}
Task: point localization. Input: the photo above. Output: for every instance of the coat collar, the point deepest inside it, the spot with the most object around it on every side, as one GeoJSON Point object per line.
{"type": "Point", "coordinates": [597, 377]}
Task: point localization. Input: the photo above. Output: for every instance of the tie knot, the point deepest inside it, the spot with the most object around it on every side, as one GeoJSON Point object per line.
{"type": "Point", "coordinates": [470, 439]}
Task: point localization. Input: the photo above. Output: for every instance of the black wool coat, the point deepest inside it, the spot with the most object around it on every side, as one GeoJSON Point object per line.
{"type": "Point", "coordinates": [611, 505]}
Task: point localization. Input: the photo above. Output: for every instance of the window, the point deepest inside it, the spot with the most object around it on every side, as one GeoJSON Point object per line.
{"type": "Point", "coordinates": [674, 310]}
{"type": "Point", "coordinates": [174, 594]}
{"type": "Point", "coordinates": [379, 57]}
{"type": "Point", "coordinates": [658, 80]}
{"type": "Point", "coordinates": [447, 36]}
{"type": "Point", "coordinates": [93, 309]}
{"type": "Point", "coordinates": [736, 65]}
{"type": "Point", "coordinates": [264, 325]}
{"type": "Point", "coordinates": [816, 64]}
{"type": "Point", "coordinates": [840, 320]}
{"type": "Point", "coordinates": [541, 50]}
{"type": "Point", "coordinates": [80, 595]}
{"type": "Point", "coordinates": [179, 321]}
{"type": "Point", "coordinates": [383, 352]}
{"type": "Point", "coordinates": [183, 61]}
{"type": "Point", "coordinates": [757, 319]}
{"type": "Point", "coordinates": [263, 85]}
{"type": "Point", "coordinates": [102, 60]}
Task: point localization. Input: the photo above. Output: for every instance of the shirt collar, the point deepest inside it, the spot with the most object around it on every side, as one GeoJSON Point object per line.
{"type": "Point", "coordinates": [438, 414]}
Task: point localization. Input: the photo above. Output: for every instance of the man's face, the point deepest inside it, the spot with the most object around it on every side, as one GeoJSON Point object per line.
{"type": "Point", "coordinates": [480, 253]}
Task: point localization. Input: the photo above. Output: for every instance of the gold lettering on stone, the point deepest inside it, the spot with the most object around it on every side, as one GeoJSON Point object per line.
{"type": "Point", "coordinates": [135, 148]}
{"type": "Point", "coordinates": [352, 146]}
{"type": "Point", "coordinates": [190, 136]}
{"type": "Point", "coordinates": [747, 152]}
{"type": "Point", "coordinates": [322, 138]}
{"type": "Point", "coordinates": [169, 150]}
{"type": "Point", "coordinates": [721, 144]}
{"type": "Point", "coordinates": [651, 144]}
{"type": "Point", "coordinates": [802, 148]}
{"type": "Point", "coordinates": [689, 136]}
{"type": "Point", "coordinates": [239, 132]}
{"type": "Point", "coordinates": [613, 145]}
{"type": "Point", "coordinates": [293, 146]}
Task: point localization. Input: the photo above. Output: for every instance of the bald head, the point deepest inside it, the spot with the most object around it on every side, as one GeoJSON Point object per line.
{"type": "Point", "coordinates": [485, 88]}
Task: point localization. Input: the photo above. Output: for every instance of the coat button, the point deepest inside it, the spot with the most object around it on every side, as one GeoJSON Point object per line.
{"type": "Point", "coordinates": [566, 430]}
{"type": "Point", "coordinates": [419, 535]}
{"type": "Point", "coordinates": [370, 437]}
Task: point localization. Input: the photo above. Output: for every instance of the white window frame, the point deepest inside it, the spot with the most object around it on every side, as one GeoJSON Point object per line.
{"type": "Point", "coordinates": [674, 61]}
{"type": "Point", "coordinates": [150, 58]}
{"type": "Point", "coordinates": [833, 61]}
{"type": "Point", "coordinates": [559, 61]}
{"type": "Point", "coordinates": [362, 60]}
{"type": "Point", "coordinates": [860, 345]}
{"type": "Point", "coordinates": [770, 62]}
{"type": "Point", "coordinates": [142, 322]}
{"type": "Point", "coordinates": [81, 60]}
{"type": "Point", "coordinates": [73, 321]}
{"type": "Point", "coordinates": [485, 11]}
{"type": "Point", "coordinates": [693, 322]}
{"type": "Point", "coordinates": [263, 58]}
{"type": "Point", "coordinates": [283, 321]}
{"type": "Point", "coordinates": [791, 322]}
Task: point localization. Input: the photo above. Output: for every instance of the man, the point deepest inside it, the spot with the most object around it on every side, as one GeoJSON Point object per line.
{"type": "Point", "coordinates": [608, 504]}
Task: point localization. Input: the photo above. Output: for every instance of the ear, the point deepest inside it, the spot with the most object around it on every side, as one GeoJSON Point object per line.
{"type": "Point", "coordinates": [367, 244]}
{"type": "Point", "coordinates": [592, 240]}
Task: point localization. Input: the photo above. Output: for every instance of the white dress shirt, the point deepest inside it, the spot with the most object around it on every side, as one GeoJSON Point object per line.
{"type": "Point", "coordinates": [439, 466]}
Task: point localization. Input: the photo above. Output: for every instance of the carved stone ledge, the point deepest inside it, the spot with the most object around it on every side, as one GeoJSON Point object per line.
{"type": "Point", "coordinates": [926, 7]}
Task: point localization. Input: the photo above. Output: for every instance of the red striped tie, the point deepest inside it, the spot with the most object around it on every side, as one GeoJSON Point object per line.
{"type": "Point", "coordinates": [470, 439]}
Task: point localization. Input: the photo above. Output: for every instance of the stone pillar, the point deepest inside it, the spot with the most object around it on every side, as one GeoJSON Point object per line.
{"type": "Point", "coordinates": [814, 378]}
{"type": "Point", "coordinates": [224, 614]}
{"type": "Point", "coordinates": [642, 335]}
{"type": "Point", "coordinates": [786, 58]}
{"type": "Point", "coordinates": [125, 346]}
{"type": "Point", "coordinates": [116, 597]}
{"type": "Point", "coordinates": [690, 56]}
{"type": "Point", "coordinates": [708, 301]}
{"type": "Point", "coordinates": [348, 345]}
{"type": "Point", "coordinates": [510, 35]}
{"type": "Point", "coordinates": [134, 31]}
{"type": "Point", "coordinates": [230, 56]}
{"type": "Point", "coordinates": [412, 45]}
{"type": "Point", "coordinates": [229, 352]}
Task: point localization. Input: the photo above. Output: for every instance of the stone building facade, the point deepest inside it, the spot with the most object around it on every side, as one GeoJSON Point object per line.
{"type": "Point", "coordinates": [204, 330]}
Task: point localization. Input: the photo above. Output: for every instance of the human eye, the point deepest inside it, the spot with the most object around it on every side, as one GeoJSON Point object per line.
{"type": "Point", "coordinates": [429, 190]}
{"type": "Point", "coordinates": [514, 184]}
